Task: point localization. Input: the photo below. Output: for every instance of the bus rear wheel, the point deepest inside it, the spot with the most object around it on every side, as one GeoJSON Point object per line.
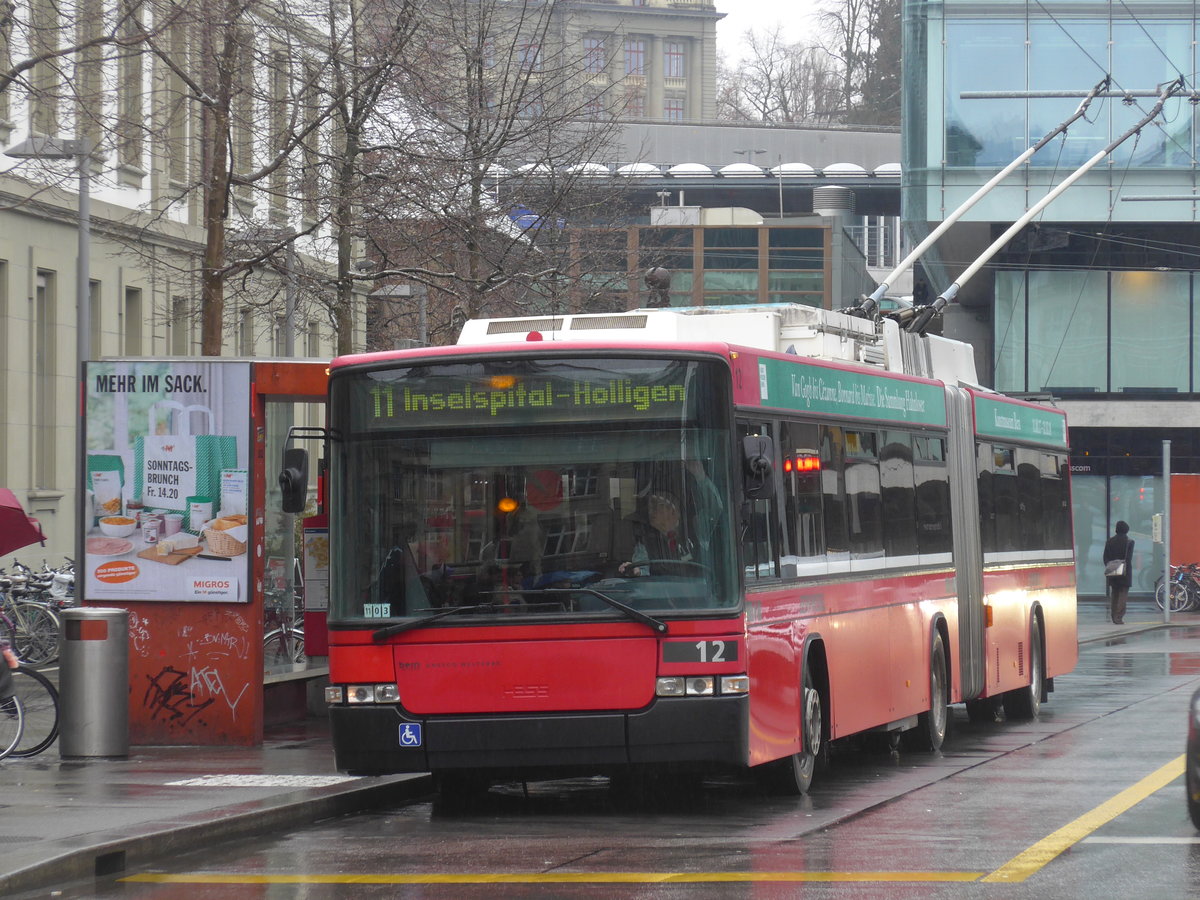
{"type": "Point", "coordinates": [933, 724]}
{"type": "Point", "coordinates": [1026, 702]}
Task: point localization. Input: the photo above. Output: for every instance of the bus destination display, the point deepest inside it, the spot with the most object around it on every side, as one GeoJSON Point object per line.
{"type": "Point", "coordinates": [565, 394]}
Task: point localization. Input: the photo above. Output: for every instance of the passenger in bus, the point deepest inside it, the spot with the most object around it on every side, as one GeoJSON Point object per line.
{"type": "Point", "coordinates": [482, 587]}
{"type": "Point", "coordinates": [392, 580]}
{"type": "Point", "coordinates": [658, 538]}
{"type": "Point", "coordinates": [1119, 548]}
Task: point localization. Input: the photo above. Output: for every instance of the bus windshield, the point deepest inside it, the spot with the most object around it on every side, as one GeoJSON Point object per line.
{"type": "Point", "coordinates": [532, 488]}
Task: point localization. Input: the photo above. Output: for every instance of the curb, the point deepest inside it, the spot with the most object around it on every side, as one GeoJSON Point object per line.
{"type": "Point", "coordinates": [111, 857]}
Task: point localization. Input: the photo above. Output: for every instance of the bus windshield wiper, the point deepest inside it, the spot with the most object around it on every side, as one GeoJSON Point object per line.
{"type": "Point", "coordinates": [636, 614]}
{"type": "Point", "coordinates": [399, 627]}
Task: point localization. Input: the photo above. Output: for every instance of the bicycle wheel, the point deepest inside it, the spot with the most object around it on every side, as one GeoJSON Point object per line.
{"type": "Point", "coordinates": [1179, 596]}
{"type": "Point", "coordinates": [39, 702]}
{"type": "Point", "coordinates": [37, 634]}
{"type": "Point", "coordinates": [298, 646]}
{"type": "Point", "coordinates": [12, 721]}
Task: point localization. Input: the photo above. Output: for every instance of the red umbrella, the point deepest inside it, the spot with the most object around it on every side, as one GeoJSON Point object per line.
{"type": "Point", "coordinates": [17, 530]}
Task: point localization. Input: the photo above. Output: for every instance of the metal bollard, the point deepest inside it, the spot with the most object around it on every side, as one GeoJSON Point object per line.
{"type": "Point", "coordinates": [94, 683]}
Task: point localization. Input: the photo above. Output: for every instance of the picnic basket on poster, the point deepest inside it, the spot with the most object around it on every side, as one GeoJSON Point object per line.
{"type": "Point", "coordinates": [184, 462]}
{"type": "Point", "coordinates": [226, 535]}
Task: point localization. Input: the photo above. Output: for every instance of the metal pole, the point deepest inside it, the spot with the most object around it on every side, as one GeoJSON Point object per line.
{"type": "Point", "coordinates": [83, 344]}
{"type": "Point", "coordinates": [1166, 531]}
{"type": "Point", "coordinates": [289, 315]}
{"type": "Point", "coordinates": [422, 313]}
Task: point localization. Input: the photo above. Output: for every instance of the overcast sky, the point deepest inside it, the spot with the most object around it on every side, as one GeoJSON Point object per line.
{"type": "Point", "coordinates": [758, 15]}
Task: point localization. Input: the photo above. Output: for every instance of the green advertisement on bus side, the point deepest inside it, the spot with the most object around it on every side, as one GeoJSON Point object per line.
{"type": "Point", "coordinates": [838, 392]}
{"type": "Point", "coordinates": [1015, 422]}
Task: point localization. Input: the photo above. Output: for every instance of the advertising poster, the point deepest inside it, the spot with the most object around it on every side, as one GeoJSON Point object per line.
{"type": "Point", "coordinates": [166, 476]}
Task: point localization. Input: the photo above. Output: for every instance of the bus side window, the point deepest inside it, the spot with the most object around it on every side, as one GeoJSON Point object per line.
{"type": "Point", "coordinates": [898, 488]}
{"type": "Point", "coordinates": [803, 518]}
{"type": "Point", "coordinates": [987, 500]}
{"type": "Point", "coordinates": [934, 521]}
{"type": "Point", "coordinates": [837, 539]}
{"type": "Point", "coordinates": [1006, 500]}
{"type": "Point", "coordinates": [759, 529]}
{"type": "Point", "coordinates": [1030, 510]}
{"type": "Point", "coordinates": [862, 494]}
{"type": "Point", "coordinates": [1055, 503]}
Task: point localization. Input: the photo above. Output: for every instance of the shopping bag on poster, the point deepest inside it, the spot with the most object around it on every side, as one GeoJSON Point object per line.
{"type": "Point", "coordinates": [169, 468]}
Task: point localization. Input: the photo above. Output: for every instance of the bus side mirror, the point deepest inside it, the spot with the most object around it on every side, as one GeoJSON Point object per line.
{"type": "Point", "coordinates": [758, 477]}
{"type": "Point", "coordinates": [293, 480]}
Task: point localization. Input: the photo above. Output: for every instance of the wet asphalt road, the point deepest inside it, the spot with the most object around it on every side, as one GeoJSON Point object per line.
{"type": "Point", "coordinates": [1085, 802]}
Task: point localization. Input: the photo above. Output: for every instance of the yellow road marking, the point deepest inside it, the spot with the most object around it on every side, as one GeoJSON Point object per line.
{"type": "Point", "coordinates": [1017, 869]}
{"type": "Point", "coordinates": [1029, 861]}
{"type": "Point", "coordinates": [562, 878]}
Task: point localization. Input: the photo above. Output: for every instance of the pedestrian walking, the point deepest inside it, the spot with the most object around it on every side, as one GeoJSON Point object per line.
{"type": "Point", "coordinates": [1118, 571]}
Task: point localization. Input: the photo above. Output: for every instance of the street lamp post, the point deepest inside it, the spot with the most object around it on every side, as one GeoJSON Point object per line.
{"type": "Point", "coordinates": [80, 150]}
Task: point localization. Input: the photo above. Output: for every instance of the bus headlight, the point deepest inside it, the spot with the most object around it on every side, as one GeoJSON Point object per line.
{"type": "Point", "coordinates": [700, 685]}
{"type": "Point", "coordinates": [735, 684]}
{"type": "Point", "coordinates": [335, 693]}
{"type": "Point", "coordinates": [671, 686]}
{"type": "Point", "coordinates": [369, 693]}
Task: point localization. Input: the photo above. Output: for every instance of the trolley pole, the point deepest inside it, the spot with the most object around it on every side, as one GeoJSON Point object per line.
{"type": "Point", "coordinates": [1166, 531]}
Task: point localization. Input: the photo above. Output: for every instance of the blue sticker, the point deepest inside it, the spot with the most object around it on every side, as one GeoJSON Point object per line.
{"type": "Point", "coordinates": [410, 734]}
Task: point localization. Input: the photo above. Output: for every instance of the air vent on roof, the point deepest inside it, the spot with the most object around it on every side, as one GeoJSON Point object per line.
{"type": "Point", "coordinates": [514, 326]}
{"type": "Point", "coordinates": [594, 322]}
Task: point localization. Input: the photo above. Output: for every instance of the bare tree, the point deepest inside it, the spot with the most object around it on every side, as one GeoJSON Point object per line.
{"type": "Point", "coordinates": [503, 128]}
{"type": "Point", "coordinates": [278, 98]}
{"type": "Point", "coordinates": [778, 82]}
{"type": "Point", "coordinates": [863, 37]}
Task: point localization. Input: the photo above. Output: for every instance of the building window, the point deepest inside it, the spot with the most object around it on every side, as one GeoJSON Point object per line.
{"type": "Point", "coordinates": [133, 322]}
{"type": "Point", "coordinates": [314, 339]}
{"type": "Point", "coordinates": [529, 56]}
{"type": "Point", "coordinates": [131, 105]}
{"type": "Point", "coordinates": [635, 105]}
{"type": "Point", "coordinates": [673, 59]}
{"type": "Point", "coordinates": [635, 57]}
{"type": "Point", "coordinates": [45, 365]}
{"type": "Point", "coordinates": [593, 55]}
{"type": "Point", "coordinates": [673, 109]}
{"type": "Point", "coordinates": [246, 333]}
{"type": "Point", "coordinates": [180, 322]}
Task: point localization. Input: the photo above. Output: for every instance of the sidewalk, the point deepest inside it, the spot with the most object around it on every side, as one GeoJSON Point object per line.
{"type": "Point", "coordinates": [64, 820]}
{"type": "Point", "coordinates": [1140, 615]}
{"type": "Point", "coordinates": [68, 819]}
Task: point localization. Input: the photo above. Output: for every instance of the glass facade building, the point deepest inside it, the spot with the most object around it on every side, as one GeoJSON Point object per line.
{"type": "Point", "coordinates": [1097, 302]}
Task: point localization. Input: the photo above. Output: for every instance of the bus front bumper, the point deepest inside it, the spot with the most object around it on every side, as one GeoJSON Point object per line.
{"type": "Point", "coordinates": [698, 731]}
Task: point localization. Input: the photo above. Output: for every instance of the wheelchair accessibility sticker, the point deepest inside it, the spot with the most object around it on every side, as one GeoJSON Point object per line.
{"type": "Point", "coordinates": [410, 734]}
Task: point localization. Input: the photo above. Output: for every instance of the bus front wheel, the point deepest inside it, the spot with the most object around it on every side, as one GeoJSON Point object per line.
{"type": "Point", "coordinates": [793, 775]}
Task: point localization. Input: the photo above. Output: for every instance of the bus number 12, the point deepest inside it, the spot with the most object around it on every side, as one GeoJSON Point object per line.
{"type": "Point", "coordinates": [700, 651]}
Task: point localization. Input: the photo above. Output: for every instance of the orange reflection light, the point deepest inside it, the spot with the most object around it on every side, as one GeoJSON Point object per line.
{"type": "Point", "coordinates": [502, 382]}
{"type": "Point", "coordinates": [507, 505]}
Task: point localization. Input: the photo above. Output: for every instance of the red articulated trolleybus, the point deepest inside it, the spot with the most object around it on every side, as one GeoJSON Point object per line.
{"type": "Point", "coordinates": [693, 539]}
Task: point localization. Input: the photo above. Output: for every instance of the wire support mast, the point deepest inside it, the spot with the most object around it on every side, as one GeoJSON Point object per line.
{"type": "Point", "coordinates": [866, 307]}
{"type": "Point", "coordinates": [921, 321]}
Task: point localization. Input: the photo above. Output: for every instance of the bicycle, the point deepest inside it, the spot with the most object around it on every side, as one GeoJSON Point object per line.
{"type": "Point", "coordinates": [284, 643]}
{"type": "Point", "coordinates": [12, 711]}
{"type": "Point", "coordinates": [27, 618]}
{"type": "Point", "coordinates": [39, 704]}
{"type": "Point", "coordinates": [31, 628]}
{"type": "Point", "coordinates": [1185, 588]}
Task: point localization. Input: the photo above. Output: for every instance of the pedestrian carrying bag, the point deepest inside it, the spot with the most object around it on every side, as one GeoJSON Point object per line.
{"type": "Point", "coordinates": [1114, 568]}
